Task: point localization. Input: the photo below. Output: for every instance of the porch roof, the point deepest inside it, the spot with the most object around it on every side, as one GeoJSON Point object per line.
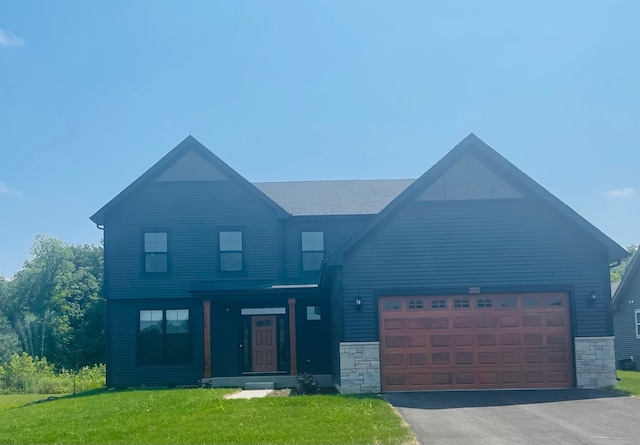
{"type": "Point", "coordinates": [251, 287]}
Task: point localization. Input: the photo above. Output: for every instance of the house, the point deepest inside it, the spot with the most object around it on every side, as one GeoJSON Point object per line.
{"type": "Point", "coordinates": [472, 276]}
{"type": "Point", "coordinates": [626, 317]}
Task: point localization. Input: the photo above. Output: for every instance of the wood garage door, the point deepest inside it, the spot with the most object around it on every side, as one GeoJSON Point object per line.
{"type": "Point", "coordinates": [475, 341]}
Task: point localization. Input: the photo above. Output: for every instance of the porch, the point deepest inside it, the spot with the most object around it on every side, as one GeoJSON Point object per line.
{"type": "Point", "coordinates": [267, 335]}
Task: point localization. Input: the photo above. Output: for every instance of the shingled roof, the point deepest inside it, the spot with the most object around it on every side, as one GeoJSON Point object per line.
{"type": "Point", "coordinates": [352, 197]}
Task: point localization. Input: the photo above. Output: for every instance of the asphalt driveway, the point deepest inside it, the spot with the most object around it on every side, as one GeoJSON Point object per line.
{"type": "Point", "coordinates": [520, 417]}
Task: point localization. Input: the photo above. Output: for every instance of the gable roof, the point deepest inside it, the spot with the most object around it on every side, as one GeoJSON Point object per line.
{"type": "Point", "coordinates": [189, 144]}
{"type": "Point", "coordinates": [319, 198]}
{"type": "Point", "coordinates": [633, 271]}
{"type": "Point", "coordinates": [476, 147]}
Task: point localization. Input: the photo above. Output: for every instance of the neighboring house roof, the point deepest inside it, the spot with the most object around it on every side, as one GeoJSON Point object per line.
{"type": "Point", "coordinates": [189, 144]}
{"type": "Point", "coordinates": [633, 271]}
{"type": "Point", "coordinates": [476, 147]}
{"type": "Point", "coordinates": [355, 197]}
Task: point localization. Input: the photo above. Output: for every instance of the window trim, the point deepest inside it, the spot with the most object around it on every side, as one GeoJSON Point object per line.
{"type": "Point", "coordinates": [242, 252]}
{"type": "Point", "coordinates": [636, 323]}
{"type": "Point", "coordinates": [144, 252]}
{"type": "Point", "coordinates": [164, 359]}
{"type": "Point", "coordinates": [303, 251]}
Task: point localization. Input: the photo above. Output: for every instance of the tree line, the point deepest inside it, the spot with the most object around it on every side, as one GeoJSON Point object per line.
{"type": "Point", "coordinates": [54, 306]}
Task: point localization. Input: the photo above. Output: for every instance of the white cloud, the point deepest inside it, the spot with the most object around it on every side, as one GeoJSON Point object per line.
{"type": "Point", "coordinates": [625, 193]}
{"type": "Point", "coordinates": [5, 190]}
{"type": "Point", "coordinates": [7, 38]}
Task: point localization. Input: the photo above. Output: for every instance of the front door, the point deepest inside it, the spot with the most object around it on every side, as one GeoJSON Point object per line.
{"type": "Point", "coordinates": [264, 347]}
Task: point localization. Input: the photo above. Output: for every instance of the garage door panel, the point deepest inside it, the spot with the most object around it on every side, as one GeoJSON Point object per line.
{"type": "Point", "coordinates": [417, 359]}
{"type": "Point", "coordinates": [394, 341]}
{"type": "Point", "coordinates": [509, 321]}
{"type": "Point", "coordinates": [441, 358]}
{"type": "Point", "coordinates": [463, 340]}
{"type": "Point", "coordinates": [440, 323]}
{"type": "Point", "coordinates": [417, 341]}
{"type": "Point", "coordinates": [455, 342]}
{"type": "Point", "coordinates": [486, 321]}
{"type": "Point", "coordinates": [440, 341]}
{"type": "Point", "coordinates": [486, 339]}
{"type": "Point", "coordinates": [391, 324]}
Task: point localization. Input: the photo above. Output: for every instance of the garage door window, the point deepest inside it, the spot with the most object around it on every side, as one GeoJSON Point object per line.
{"type": "Point", "coordinates": [461, 304]}
{"type": "Point", "coordinates": [416, 305]}
{"type": "Point", "coordinates": [507, 302]}
{"type": "Point", "coordinates": [438, 304]}
{"type": "Point", "coordinates": [485, 303]}
{"type": "Point", "coordinates": [531, 302]}
{"type": "Point", "coordinates": [392, 305]}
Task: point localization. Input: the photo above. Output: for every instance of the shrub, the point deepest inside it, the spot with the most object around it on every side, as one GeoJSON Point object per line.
{"type": "Point", "coordinates": [26, 374]}
{"type": "Point", "coordinates": [307, 383]}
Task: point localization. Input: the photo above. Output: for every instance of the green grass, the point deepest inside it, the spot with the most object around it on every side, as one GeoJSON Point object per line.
{"type": "Point", "coordinates": [191, 416]}
{"type": "Point", "coordinates": [15, 400]}
{"type": "Point", "coordinates": [629, 382]}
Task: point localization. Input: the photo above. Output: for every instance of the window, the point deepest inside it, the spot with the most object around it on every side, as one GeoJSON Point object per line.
{"type": "Point", "coordinates": [485, 302]}
{"type": "Point", "coordinates": [230, 251]}
{"type": "Point", "coordinates": [164, 336]}
{"type": "Point", "coordinates": [438, 304]}
{"type": "Point", "coordinates": [312, 250]}
{"type": "Point", "coordinates": [460, 304]}
{"type": "Point", "coordinates": [313, 313]}
{"type": "Point", "coordinates": [637, 322]}
{"type": "Point", "coordinates": [416, 304]}
{"type": "Point", "coordinates": [155, 252]}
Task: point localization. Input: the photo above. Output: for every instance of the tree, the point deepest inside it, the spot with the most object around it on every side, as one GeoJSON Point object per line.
{"type": "Point", "coordinates": [55, 303]}
{"type": "Point", "coordinates": [618, 271]}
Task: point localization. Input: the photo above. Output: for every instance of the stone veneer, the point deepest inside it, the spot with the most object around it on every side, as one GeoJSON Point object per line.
{"type": "Point", "coordinates": [595, 362]}
{"type": "Point", "coordinates": [359, 367]}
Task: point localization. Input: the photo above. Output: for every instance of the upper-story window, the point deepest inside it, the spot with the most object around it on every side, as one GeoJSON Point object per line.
{"type": "Point", "coordinates": [312, 250]}
{"type": "Point", "coordinates": [230, 251]}
{"type": "Point", "coordinates": [156, 252]}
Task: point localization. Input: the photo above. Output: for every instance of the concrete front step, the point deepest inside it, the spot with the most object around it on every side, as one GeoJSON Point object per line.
{"type": "Point", "coordinates": [259, 385]}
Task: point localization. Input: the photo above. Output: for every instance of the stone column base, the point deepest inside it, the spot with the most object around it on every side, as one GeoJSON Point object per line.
{"type": "Point", "coordinates": [595, 362]}
{"type": "Point", "coordinates": [359, 367]}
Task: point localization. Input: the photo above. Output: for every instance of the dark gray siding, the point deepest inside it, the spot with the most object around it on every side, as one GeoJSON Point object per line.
{"type": "Point", "coordinates": [337, 230]}
{"type": "Point", "coordinates": [191, 213]}
{"type": "Point", "coordinates": [312, 345]}
{"type": "Point", "coordinates": [122, 343]}
{"type": "Point", "coordinates": [499, 245]}
{"type": "Point", "coordinates": [225, 340]}
{"type": "Point", "coordinates": [626, 343]}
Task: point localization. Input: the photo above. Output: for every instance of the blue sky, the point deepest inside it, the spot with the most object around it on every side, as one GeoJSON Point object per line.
{"type": "Point", "coordinates": [92, 94]}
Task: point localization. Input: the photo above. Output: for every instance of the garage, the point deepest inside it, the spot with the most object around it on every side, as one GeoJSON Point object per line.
{"type": "Point", "coordinates": [475, 341]}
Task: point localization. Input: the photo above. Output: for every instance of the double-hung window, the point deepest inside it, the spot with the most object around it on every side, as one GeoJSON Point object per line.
{"type": "Point", "coordinates": [636, 318]}
{"type": "Point", "coordinates": [156, 252]}
{"type": "Point", "coordinates": [312, 250]}
{"type": "Point", "coordinates": [164, 336]}
{"type": "Point", "coordinates": [230, 243]}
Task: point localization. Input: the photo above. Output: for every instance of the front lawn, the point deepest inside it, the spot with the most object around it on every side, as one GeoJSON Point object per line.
{"type": "Point", "coordinates": [190, 416]}
{"type": "Point", "coordinates": [629, 382]}
{"type": "Point", "coordinates": [15, 400]}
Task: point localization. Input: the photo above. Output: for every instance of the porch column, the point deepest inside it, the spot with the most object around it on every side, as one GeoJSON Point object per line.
{"type": "Point", "coordinates": [292, 336]}
{"type": "Point", "coordinates": [206, 305]}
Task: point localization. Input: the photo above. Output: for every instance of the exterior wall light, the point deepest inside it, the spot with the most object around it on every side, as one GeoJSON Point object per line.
{"type": "Point", "coordinates": [358, 303]}
{"type": "Point", "coordinates": [592, 297]}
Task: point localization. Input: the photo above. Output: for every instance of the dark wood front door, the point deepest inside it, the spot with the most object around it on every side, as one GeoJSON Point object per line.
{"type": "Point", "coordinates": [264, 347]}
